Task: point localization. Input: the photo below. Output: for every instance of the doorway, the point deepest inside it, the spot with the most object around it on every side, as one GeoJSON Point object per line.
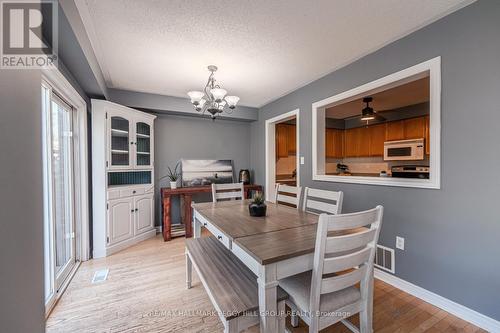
{"type": "Point", "coordinates": [282, 152]}
{"type": "Point", "coordinates": [65, 184]}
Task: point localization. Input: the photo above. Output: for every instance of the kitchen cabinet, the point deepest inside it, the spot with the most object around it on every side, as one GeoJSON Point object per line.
{"type": "Point", "coordinates": [334, 143]}
{"type": "Point", "coordinates": [414, 128]}
{"type": "Point", "coordinates": [357, 142]}
{"type": "Point", "coordinates": [395, 130]}
{"type": "Point", "coordinates": [292, 139]}
{"type": "Point", "coordinates": [427, 142]}
{"type": "Point", "coordinates": [286, 140]}
{"type": "Point", "coordinates": [281, 140]}
{"type": "Point", "coordinates": [377, 139]}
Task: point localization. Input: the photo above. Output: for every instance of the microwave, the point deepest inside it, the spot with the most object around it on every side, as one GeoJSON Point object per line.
{"type": "Point", "coordinates": [404, 150]}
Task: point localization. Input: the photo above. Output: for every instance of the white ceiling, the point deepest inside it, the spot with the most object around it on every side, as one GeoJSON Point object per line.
{"type": "Point", "coordinates": [263, 48]}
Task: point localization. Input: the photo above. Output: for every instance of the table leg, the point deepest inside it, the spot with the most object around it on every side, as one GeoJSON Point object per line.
{"type": "Point", "coordinates": [196, 227]}
{"type": "Point", "coordinates": [268, 300]}
{"type": "Point", "coordinates": [167, 221]}
{"type": "Point", "coordinates": [188, 215]}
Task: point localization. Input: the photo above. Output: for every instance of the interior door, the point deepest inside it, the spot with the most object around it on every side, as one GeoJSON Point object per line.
{"type": "Point", "coordinates": [120, 220]}
{"type": "Point", "coordinates": [144, 213]}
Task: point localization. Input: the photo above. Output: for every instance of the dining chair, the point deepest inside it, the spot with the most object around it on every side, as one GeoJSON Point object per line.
{"type": "Point", "coordinates": [227, 191]}
{"type": "Point", "coordinates": [343, 257]}
{"type": "Point", "coordinates": [329, 202]}
{"type": "Point", "coordinates": [288, 195]}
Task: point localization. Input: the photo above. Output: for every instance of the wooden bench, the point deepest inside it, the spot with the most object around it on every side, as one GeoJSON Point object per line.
{"type": "Point", "coordinates": [231, 286]}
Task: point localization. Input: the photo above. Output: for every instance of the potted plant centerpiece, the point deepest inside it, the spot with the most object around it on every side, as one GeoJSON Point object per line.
{"type": "Point", "coordinates": [258, 206]}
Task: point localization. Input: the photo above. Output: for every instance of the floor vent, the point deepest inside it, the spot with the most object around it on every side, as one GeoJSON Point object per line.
{"type": "Point", "coordinates": [100, 275]}
{"type": "Point", "coordinates": [385, 259]}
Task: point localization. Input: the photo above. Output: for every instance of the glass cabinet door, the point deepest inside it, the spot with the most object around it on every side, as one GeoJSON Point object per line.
{"type": "Point", "coordinates": [143, 144]}
{"type": "Point", "coordinates": [120, 147]}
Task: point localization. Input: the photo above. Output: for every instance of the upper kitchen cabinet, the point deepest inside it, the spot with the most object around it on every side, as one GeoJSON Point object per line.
{"type": "Point", "coordinates": [286, 137]}
{"type": "Point", "coordinates": [377, 138]}
{"type": "Point", "coordinates": [334, 143]}
{"type": "Point", "coordinates": [357, 142]}
{"type": "Point", "coordinates": [292, 139]}
{"type": "Point", "coordinates": [281, 140]}
{"type": "Point", "coordinates": [395, 130]}
{"type": "Point", "coordinates": [129, 139]}
{"type": "Point", "coordinates": [414, 128]}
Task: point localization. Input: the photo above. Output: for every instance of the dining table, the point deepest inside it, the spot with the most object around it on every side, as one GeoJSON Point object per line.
{"type": "Point", "coordinates": [273, 247]}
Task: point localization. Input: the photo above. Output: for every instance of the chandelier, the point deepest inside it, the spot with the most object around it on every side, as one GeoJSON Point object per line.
{"type": "Point", "coordinates": [213, 98]}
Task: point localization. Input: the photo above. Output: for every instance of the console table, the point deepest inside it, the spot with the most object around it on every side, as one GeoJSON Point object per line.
{"type": "Point", "coordinates": [187, 193]}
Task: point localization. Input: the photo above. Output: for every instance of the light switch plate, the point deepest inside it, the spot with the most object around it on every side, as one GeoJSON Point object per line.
{"type": "Point", "coordinates": [400, 243]}
{"type": "Point", "coordinates": [302, 160]}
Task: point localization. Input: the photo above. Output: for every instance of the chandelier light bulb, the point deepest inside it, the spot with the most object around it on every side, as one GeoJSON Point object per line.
{"type": "Point", "coordinates": [221, 105]}
{"type": "Point", "coordinates": [196, 96]}
{"type": "Point", "coordinates": [218, 94]}
{"type": "Point", "coordinates": [200, 105]}
{"type": "Point", "coordinates": [232, 101]}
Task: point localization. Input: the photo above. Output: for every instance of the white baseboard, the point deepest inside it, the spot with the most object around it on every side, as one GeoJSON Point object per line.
{"type": "Point", "coordinates": [473, 317]}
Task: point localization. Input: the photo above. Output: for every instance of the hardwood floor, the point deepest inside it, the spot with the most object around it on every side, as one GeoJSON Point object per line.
{"type": "Point", "coordinates": [146, 292]}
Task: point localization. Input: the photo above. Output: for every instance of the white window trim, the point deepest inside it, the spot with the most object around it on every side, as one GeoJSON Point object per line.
{"type": "Point", "coordinates": [433, 67]}
{"type": "Point", "coordinates": [271, 150]}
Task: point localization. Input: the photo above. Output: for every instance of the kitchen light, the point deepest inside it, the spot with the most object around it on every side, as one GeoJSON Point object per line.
{"type": "Point", "coordinates": [367, 113]}
{"type": "Point", "coordinates": [213, 99]}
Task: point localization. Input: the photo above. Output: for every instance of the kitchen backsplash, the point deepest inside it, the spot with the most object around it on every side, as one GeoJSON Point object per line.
{"type": "Point", "coordinates": [368, 164]}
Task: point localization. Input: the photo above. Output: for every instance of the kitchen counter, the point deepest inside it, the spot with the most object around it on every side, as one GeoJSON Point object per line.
{"type": "Point", "coordinates": [357, 174]}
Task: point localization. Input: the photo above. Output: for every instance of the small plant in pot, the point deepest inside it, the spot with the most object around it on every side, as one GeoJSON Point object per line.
{"type": "Point", "coordinates": [173, 175]}
{"type": "Point", "coordinates": [258, 206]}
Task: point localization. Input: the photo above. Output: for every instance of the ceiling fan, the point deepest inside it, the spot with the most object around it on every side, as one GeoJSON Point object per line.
{"type": "Point", "coordinates": [368, 113]}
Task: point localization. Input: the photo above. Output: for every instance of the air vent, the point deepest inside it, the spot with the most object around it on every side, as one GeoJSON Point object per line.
{"type": "Point", "coordinates": [385, 259]}
{"type": "Point", "coordinates": [100, 275]}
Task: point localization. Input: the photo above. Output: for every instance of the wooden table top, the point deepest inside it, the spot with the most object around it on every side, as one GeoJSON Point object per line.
{"type": "Point", "coordinates": [234, 221]}
{"type": "Point", "coordinates": [283, 233]}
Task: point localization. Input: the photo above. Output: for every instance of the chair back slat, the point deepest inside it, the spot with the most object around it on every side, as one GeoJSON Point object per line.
{"type": "Point", "coordinates": [289, 195]}
{"type": "Point", "coordinates": [354, 220]}
{"type": "Point", "coordinates": [339, 282]}
{"type": "Point", "coordinates": [348, 261]}
{"type": "Point", "coordinates": [349, 242]}
{"type": "Point", "coordinates": [227, 192]}
{"type": "Point", "coordinates": [321, 201]}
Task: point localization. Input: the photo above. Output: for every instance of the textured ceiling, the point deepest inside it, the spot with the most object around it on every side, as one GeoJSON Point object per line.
{"type": "Point", "coordinates": [263, 48]}
{"type": "Point", "coordinates": [411, 93]}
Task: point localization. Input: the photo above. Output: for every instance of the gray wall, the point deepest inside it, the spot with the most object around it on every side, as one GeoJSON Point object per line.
{"type": "Point", "coordinates": [179, 137]}
{"type": "Point", "coordinates": [21, 237]}
{"type": "Point", "coordinates": [453, 234]}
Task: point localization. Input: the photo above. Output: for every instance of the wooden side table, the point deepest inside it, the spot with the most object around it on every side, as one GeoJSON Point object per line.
{"type": "Point", "coordinates": [187, 193]}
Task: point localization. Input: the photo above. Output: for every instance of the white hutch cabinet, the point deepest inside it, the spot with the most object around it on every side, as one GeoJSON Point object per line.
{"type": "Point", "coordinates": [122, 177]}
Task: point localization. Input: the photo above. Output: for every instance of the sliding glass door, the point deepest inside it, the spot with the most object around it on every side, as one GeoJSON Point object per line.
{"type": "Point", "coordinates": [59, 225]}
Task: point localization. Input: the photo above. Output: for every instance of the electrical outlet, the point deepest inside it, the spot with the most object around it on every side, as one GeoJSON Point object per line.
{"type": "Point", "coordinates": [302, 160]}
{"type": "Point", "coordinates": [400, 243]}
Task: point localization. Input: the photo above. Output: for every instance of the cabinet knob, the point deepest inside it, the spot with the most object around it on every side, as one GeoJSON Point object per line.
{"type": "Point", "coordinates": [136, 209]}
{"type": "Point", "coordinates": [219, 237]}
{"type": "Point", "coordinates": [134, 191]}
{"type": "Point", "coordinates": [205, 224]}
{"type": "Point", "coordinates": [132, 211]}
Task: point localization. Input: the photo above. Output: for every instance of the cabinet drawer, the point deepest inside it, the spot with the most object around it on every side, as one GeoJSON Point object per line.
{"type": "Point", "coordinates": [128, 192]}
{"type": "Point", "coordinates": [219, 235]}
{"type": "Point", "coordinates": [113, 194]}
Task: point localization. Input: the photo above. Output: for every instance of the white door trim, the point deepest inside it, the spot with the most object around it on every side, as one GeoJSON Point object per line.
{"type": "Point", "coordinates": [271, 150]}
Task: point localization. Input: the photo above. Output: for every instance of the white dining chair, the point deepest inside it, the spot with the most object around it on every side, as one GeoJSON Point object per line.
{"type": "Point", "coordinates": [343, 257]}
{"type": "Point", "coordinates": [329, 202]}
{"type": "Point", "coordinates": [232, 191]}
{"type": "Point", "coordinates": [288, 195]}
